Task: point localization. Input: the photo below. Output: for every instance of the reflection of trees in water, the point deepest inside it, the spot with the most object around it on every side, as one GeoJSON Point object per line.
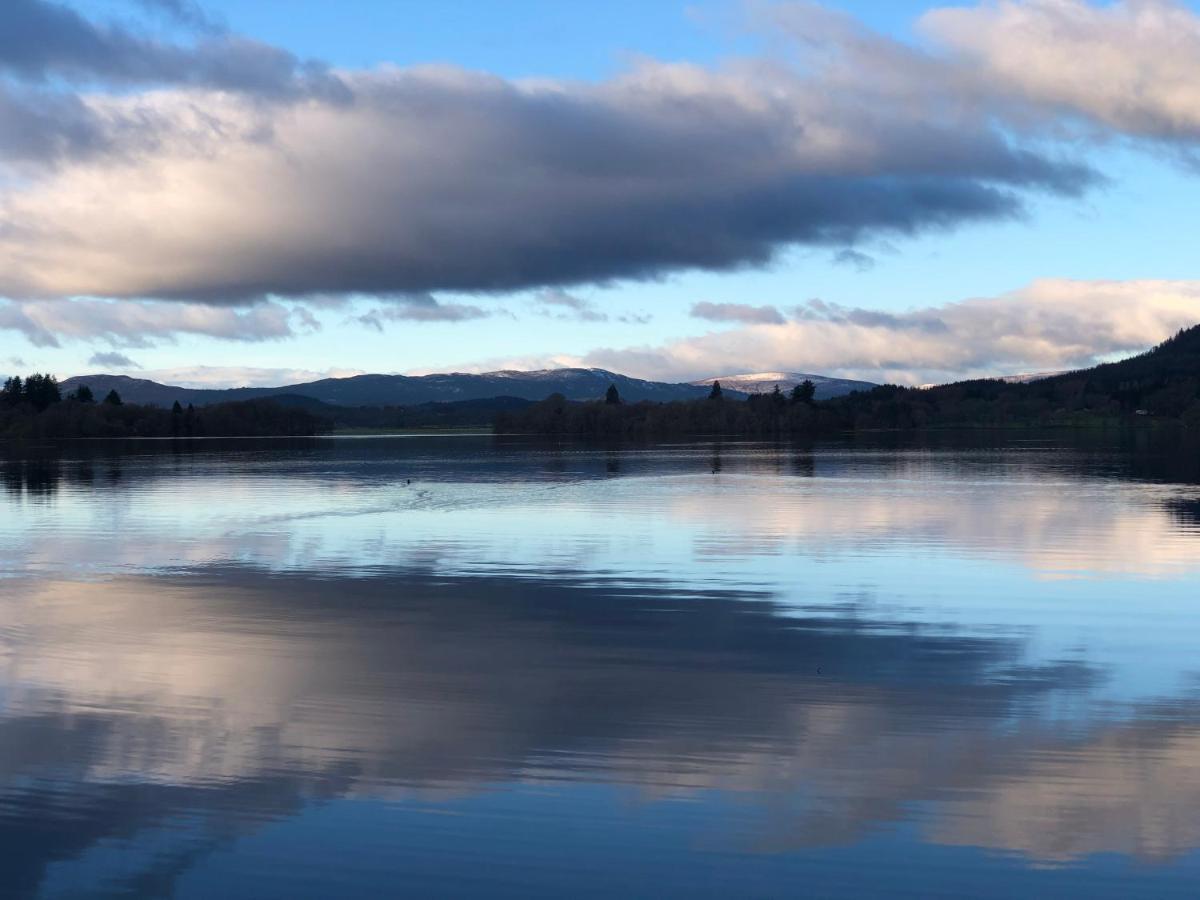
{"type": "Point", "coordinates": [1185, 512]}
{"type": "Point", "coordinates": [41, 477]}
{"type": "Point", "coordinates": [804, 464]}
{"type": "Point", "coordinates": [34, 478]}
{"type": "Point", "coordinates": [1142, 456]}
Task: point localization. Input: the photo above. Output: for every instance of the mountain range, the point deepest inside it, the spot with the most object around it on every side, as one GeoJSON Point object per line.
{"type": "Point", "coordinates": [412, 390]}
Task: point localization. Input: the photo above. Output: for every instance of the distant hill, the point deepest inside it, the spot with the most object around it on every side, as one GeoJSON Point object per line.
{"type": "Point", "coordinates": [764, 383]}
{"type": "Point", "coordinates": [405, 390]}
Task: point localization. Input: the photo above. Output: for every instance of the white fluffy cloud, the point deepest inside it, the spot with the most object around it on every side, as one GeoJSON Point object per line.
{"type": "Point", "coordinates": [1049, 325]}
{"type": "Point", "coordinates": [1130, 66]}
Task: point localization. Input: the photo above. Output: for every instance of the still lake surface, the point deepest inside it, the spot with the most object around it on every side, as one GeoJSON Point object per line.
{"type": "Point", "coordinates": [459, 666]}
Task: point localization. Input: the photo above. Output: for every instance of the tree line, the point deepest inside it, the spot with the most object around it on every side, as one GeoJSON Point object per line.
{"type": "Point", "coordinates": [760, 415]}
{"type": "Point", "coordinates": [35, 408]}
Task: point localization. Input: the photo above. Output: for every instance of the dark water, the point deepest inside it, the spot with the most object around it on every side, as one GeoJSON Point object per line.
{"type": "Point", "coordinates": [280, 669]}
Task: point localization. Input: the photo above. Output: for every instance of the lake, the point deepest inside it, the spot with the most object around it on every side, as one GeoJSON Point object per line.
{"type": "Point", "coordinates": [464, 666]}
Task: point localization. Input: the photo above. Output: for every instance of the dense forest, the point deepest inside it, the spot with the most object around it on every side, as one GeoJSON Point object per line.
{"type": "Point", "coordinates": [34, 408]}
{"type": "Point", "coordinates": [432, 416]}
{"type": "Point", "coordinates": [1162, 384]}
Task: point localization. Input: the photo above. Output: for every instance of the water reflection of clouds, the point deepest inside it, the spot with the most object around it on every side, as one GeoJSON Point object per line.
{"type": "Point", "coordinates": [229, 641]}
{"type": "Point", "coordinates": [1073, 529]}
{"type": "Point", "coordinates": [239, 694]}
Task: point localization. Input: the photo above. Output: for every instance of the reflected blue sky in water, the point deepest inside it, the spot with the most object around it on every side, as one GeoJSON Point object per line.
{"type": "Point", "coordinates": [703, 668]}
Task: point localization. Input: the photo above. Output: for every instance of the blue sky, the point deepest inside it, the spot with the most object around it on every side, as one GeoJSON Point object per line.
{"type": "Point", "coordinates": [1131, 225]}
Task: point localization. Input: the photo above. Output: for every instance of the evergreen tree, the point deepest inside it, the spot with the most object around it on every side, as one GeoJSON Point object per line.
{"type": "Point", "coordinates": [611, 396]}
{"type": "Point", "coordinates": [82, 394]}
{"type": "Point", "coordinates": [804, 392]}
{"type": "Point", "coordinates": [715, 393]}
{"type": "Point", "coordinates": [41, 391]}
{"type": "Point", "coordinates": [13, 392]}
{"type": "Point", "coordinates": [112, 398]}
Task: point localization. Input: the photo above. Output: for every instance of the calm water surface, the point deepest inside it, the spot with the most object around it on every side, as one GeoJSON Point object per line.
{"type": "Point", "coordinates": [457, 666]}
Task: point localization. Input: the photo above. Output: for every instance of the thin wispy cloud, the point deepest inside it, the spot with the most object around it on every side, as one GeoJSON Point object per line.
{"type": "Point", "coordinates": [48, 323]}
{"type": "Point", "coordinates": [184, 12]}
{"type": "Point", "coordinates": [854, 259]}
{"type": "Point", "coordinates": [737, 312]}
{"type": "Point", "coordinates": [419, 308]}
{"type": "Point", "coordinates": [112, 360]}
{"type": "Point", "coordinates": [563, 305]}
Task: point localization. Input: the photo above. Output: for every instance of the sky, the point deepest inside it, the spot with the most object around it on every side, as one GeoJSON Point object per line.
{"type": "Point", "coordinates": [230, 192]}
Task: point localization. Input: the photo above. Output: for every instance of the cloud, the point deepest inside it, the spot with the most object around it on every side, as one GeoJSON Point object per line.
{"type": "Point", "coordinates": [112, 360]}
{"type": "Point", "coordinates": [223, 174]}
{"type": "Point", "coordinates": [854, 259]}
{"type": "Point", "coordinates": [1049, 325]}
{"type": "Point", "coordinates": [573, 307]}
{"type": "Point", "coordinates": [420, 308]}
{"type": "Point", "coordinates": [43, 41]}
{"type": "Point", "coordinates": [1133, 67]}
{"type": "Point", "coordinates": [47, 47]}
{"type": "Point", "coordinates": [185, 12]}
{"type": "Point", "coordinates": [38, 126]}
{"type": "Point", "coordinates": [737, 312]}
{"type": "Point", "coordinates": [437, 178]}
{"type": "Point", "coordinates": [635, 318]}
{"type": "Point", "coordinates": [556, 303]}
{"type": "Point", "coordinates": [46, 323]}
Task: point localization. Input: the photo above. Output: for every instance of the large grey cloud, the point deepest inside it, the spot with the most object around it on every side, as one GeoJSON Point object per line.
{"type": "Point", "coordinates": [41, 40]}
{"type": "Point", "coordinates": [237, 180]}
{"type": "Point", "coordinates": [438, 178]}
